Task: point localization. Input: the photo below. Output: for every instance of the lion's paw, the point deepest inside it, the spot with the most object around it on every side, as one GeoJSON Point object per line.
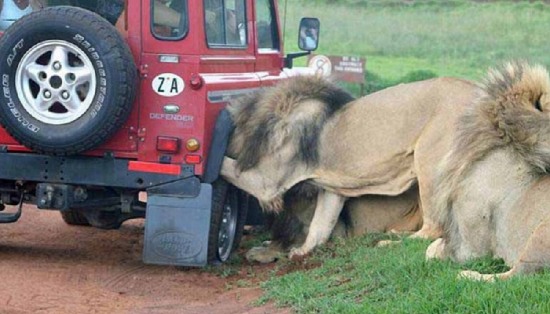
{"type": "Point", "coordinates": [263, 255]}
{"type": "Point", "coordinates": [474, 275]}
{"type": "Point", "coordinates": [427, 233]}
{"type": "Point", "coordinates": [297, 254]}
{"type": "Point", "coordinates": [384, 243]}
{"type": "Point", "coordinates": [400, 232]}
{"type": "Point", "coordinates": [436, 249]}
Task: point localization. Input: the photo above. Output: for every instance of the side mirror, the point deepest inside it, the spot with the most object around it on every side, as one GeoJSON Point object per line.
{"type": "Point", "coordinates": [308, 37]}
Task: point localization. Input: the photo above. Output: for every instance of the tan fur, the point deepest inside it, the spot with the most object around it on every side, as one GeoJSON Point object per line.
{"type": "Point", "coordinates": [361, 215]}
{"type": "Point", "coordinates": [381, 144]}
{"type": "Point", "coordinates": [493, 185]}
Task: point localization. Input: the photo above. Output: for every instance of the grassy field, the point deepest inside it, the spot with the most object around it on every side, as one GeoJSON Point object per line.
{"type": "Point", "coordinates": [445, 37]}
{"type": "Point", "coordinates": [355, 277]}
{"type": "Point", "coordinates": [401, 43]}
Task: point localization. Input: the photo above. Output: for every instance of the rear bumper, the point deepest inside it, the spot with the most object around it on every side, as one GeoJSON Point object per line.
{"type": "Point", "coordinates": [83, 170]}
{"type": "Point", "coordinates": [178, 210]}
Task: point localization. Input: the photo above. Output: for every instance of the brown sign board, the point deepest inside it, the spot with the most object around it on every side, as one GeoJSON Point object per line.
{"type": "Point", "coordinates": [344, 68]}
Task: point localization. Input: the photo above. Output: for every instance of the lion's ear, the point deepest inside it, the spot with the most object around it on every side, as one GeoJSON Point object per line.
{"type": "Point", "coordinates": [543, 103]}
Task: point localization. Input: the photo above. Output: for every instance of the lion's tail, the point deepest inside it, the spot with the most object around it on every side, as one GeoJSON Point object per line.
{"type": "Point", "coordinates": [512, 110]}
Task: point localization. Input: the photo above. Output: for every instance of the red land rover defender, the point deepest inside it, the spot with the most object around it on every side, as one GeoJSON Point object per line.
{"type": "Point", "coordinates": [104, 99]}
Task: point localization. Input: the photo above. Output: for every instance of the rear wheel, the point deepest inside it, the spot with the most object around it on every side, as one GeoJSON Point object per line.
{"type": "Point", "coordinates": [229, 209]}
{"type": "Point", "coordinates": [74, 218]}
{"type": "Point", "coordinates": [98, 218]}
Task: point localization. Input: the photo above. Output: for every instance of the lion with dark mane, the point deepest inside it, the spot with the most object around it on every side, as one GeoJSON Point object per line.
{"type": "Point", "coordinates": [307, 130]}
{"type": "Point", "coordinates": [493, 186]}
{"type": "Point", "coordinates": [360, 215]}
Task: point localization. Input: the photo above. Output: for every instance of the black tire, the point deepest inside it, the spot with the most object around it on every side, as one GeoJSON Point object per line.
{"type": "Point", "coordinates": [74, 218]}
{"type": "Point", "coordinates": [234, 203]}
{"type": "Point", "coordinates": [69, 80]}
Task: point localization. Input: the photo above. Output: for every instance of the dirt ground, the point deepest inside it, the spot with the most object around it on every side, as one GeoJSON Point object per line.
{"type": "Point", "coordinates": [50, 267]}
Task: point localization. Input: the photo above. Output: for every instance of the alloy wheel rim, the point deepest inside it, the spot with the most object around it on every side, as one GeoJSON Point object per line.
{"type": "Point", "coordinates": [56, 82]}
{"type": "Point", "coordinates": [228, 226]}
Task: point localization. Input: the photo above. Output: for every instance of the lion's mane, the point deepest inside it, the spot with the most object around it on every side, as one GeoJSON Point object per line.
{"type": "Point", "coordinates": [292, 112]}
{"type": "Point", "coordinates": [510, 112]}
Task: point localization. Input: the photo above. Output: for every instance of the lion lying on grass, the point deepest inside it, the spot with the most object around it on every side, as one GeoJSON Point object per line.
{"type": "Point", "coordinates": [493, 191]}
{"type": "Point", "coordinates": [360, 215]}
{"type": "Point", "coordinates": [308, 130]}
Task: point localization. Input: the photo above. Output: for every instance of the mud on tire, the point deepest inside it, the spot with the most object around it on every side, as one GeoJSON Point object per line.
{"type": "Point", "coordinates": [68, 80]}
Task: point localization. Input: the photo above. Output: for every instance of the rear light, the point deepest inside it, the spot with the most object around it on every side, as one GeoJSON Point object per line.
{"type": "Point", "coordinates": [192, 145]}
{"type": "Point", "coordinates": [192, 159]}
{"type": "Point", "coordinates": [168, 144]}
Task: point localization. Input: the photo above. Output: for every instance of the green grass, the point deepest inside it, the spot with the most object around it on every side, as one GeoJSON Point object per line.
{"type": "Point", "coordinates": [356, 277]}
{"type": "Point", "coordinates": [404, 42]}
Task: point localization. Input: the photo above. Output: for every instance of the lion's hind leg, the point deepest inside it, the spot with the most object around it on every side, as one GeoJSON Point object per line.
{"type": "Point", "coordinates": [328, 209]}
{"type": "Point", "coordinates": [534, 257]}
{"type": "Point", "coordinates": [430, 230]}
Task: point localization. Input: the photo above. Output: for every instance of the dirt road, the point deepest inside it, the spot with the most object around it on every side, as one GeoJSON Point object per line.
{"type": "Point", "coordinates": [50, 267]}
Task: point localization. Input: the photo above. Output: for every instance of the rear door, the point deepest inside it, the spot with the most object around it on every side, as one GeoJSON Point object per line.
{"type": "Point", "coordinates": [170, 108]}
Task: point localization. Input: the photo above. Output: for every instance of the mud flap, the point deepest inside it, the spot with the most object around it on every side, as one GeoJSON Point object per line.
{"type": "Point", "coordinates": [176, 228]}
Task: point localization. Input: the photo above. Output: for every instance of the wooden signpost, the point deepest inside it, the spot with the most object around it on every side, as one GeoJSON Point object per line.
{"type": "Point", "coordinates": [344, 68]}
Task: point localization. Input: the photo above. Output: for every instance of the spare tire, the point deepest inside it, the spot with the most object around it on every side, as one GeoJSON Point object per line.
{"type": "Point", "coordinates": [68, 80]}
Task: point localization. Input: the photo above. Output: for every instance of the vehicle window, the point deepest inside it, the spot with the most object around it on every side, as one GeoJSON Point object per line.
{"type": "Point", "coordinates": [225, 23]}
{"type": "Point", "coordinates": [267, 32]}
{"type": "Point", "coordinates": [169, 20]}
